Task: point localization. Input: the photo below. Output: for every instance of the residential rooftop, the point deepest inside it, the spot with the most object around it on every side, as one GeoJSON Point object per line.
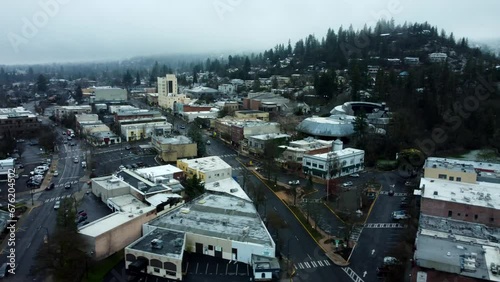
{"type": "Point", "coordinates": [15, 112]}
{"type": "Point", "coordinates": [482, 194]}
{"type": "Point", "coordinates": [141, 184]}
{"type": "Point", "coordinates": [333, 126]}
{"type": "Point", "coordinates": [227, 186]}
{"type": "Point", "coordinates": [206, 164]}
{"type": "Point", "coordinates": [161, 241]}
{"type": "Point", "coordinates": [158, 171]}
{"type": "Point", "coordinates": [220, 216]}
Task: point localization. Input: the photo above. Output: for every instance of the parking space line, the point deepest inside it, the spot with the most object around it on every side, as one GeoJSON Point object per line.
{"type": "Point", "coordinates": [196, 271]}
{"type": "Point", "coordinates": [236, 273]}
{"type": "Point", "coordinates": [227, 265]}
{"type": "Point", "coordinates": [206, 270]}
{"type": "Point", "coordinates": [217, 269]}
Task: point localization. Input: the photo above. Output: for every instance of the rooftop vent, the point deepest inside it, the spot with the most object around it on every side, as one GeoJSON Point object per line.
{"type": "Point", "coordinates": [435, 193]}
{"type": "Point", "coordinates": [156, 244]}
{"type": "Point", "coordinates": [233, 190]}
{"type": "Point", "coordinates": [216, 184]}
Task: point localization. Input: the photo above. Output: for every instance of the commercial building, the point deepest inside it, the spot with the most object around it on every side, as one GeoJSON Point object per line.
{"type": "Point", "coordinates": [221, 226]}
{"type": "Point", "coordinates": [257, 144]}
{"type": "Point", "coordinates": [103, 138]}
{"type": "Point", "coordinates": [228, 89]}
{"type": "Point", "coordinates": [459, 227]}
{"type": "Point", "coordinates": [62, 111]}
{"type": "Point", "coordinates": [141, 131]}
{"type": "Point", "coordinates": [6, 166]}
{"type": "Point", "coordinates": [18, 122]}
{"type": "Point", "coordinates": [411, 61]}
{"type": "Point", "coordinates": [170, 149]}
{"type": "Point", "coordinates": [199, 91]}
{"type": "Point", "coordinates": [135, 114]}
{"type": "Point", "coordinates": [338, 163]}
{"type": "Point", "coordinates": [108, 94]}
{"type": "Point", "coordinates": [152, 99]}
{"type": "Point", "coordinates": [251, 114]}
{"type": "Point", "coordinates": [266, 102]}
{"type": "Point", "coordinates": [168, 95]}
{"type": "Point", "coordinates": [295, 150]}
{"type": "Point", "coordinates": [208, 169]}
{"type": "Point", "coordinates": [235, 130]}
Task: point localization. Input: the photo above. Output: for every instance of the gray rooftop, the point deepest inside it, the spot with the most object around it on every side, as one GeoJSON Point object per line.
{"type": "Point", "coordinates": [449, 164]}
{"type": "Point", "coordinates": [219, 216]}
{"type": "Point", "coordinates": [169, 243]}
{"type": "Point", "coordinates": [333, 126]}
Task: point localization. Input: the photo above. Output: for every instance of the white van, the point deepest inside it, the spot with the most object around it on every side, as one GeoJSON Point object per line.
{"type": "Point", "coordinates": [84, 164]}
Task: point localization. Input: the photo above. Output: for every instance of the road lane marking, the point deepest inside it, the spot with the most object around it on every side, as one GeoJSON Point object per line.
{"type": "Point", "coordinates": [320, 263]}
{"type": "Point", "coordinates": [301, 266]}
{"type": "Point", "coordinates": [307, 264]}
{"type": "Point", "coordinates": [327, 262]}
{"type": "Point", "coordinates": [314, 264]}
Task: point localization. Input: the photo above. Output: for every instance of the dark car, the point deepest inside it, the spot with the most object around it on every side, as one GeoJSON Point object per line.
{"type": "Point", "coordinates": [67, 185]}
{"type": "Point", "coordinates": [141, 164]}
{"type": "Point", "coordinates": [82, 213]}
{"type": "Point", "coordinates": [404, 204]}
{"type": "Point", "coordinates": [128, 166]}
{"type": "Point", "coordinates": [4, 270]}
{"type": "Point", "coordinates": [127, 147]}
{"type": "Point", "coordinates": [134, 165]}
{"type": "Point", "coordinates": [81, 219]}
{"type": "Point", "coordinates": [391, 193]}
{"type": "Point", "coordinates": [182, 127]}
{"type": "Point", "coordinates": [50, 187]}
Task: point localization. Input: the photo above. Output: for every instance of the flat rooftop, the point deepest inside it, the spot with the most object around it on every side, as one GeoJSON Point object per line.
{"type": "Point", "coordinates": [483, 194]}
{"type": "Point", "coordinates": [177, 140]}
{"type": "Point", "coordinates": [110, 182]}
{"type": "Point", "coordinates": [448, 164]}
{"type": "Point", "coordinates": [206, 164]}
{"type": "Point", "coordinates": [218, 216]}
{"type": "Point", "coordinates": [109, 222]}
{"type": "Point", "coordinates": [480, 166]}
{"type": "Point", "coordinates": [227, 186]}
{"type": "Point", "coordinates": [128, 203]}
{"type": "Point", "coordinates": [441, 253]}
{"type": "Point", "coordinates": [156, 171]}
{"type": "Point", "coordinates": [170, 243]}
{"type": "Point", "coordinates": [270, 136]}
{"type": "Point", "coordinates": [340, 153]}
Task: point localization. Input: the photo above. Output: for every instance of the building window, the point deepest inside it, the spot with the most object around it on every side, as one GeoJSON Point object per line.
{"type": "Point", "coordinates": [450, 213]}
{"type": "Point", "coordinates": [458, 214]}
{"type": "Point", "coordinates": [459, 179]}
{"type": "Point", "coordinates": [492, 219]}
{"type": "Point", "coordinates": [210, 247]}
{"type": "Point", "coordinates": [321, 166]}
{"type": "Point", "coordinates": [352, 161]}
{"type": "Point", "coordinates": [451, 178]}
{"type": "Point", "coordinates": [442, 176]}
{"type": "Point", "coordinates": [315, 165]}
{"type": "Point", "coordinates": [466, 215]}
{"type": "Point", "coordinates": [157, 270]}
{"type": "Point", "coordinates": [475, 216]}
{"type": "Point", "coordinates": [308, 163]}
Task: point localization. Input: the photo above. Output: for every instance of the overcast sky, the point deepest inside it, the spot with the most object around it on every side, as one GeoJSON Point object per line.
{"type": "Point", "coordinates": [41, 31]}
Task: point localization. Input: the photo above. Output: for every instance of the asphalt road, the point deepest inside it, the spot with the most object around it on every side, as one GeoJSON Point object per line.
{"type": "Point", "coordinates": [295, 240]}
{"type": "Point", "coordinates": [41, 221]}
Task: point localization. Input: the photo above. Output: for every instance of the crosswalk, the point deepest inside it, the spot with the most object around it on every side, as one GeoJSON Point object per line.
{"type": "Point", "coordinates": [395, 194]}
{"type": "Point", "coordinates": [62, 184]}
{"type": "Point", "coordinates": [356, 232]}
{"type": "Point", "coordinates": [312, 264]}
{"type": "Point", "coordinates": [385, 225]}
{"type": "Point", "coordinates": [58, 198]}
{"type": "Point", "coordinates": [355, 277]}
{"type": "Point", "coordinates": [228, 156]}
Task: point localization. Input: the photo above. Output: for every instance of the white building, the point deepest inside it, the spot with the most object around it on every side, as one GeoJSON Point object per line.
{"type": "Point", "coordinates": [113, 109]}
{"type": "Point", "coordinates": [437, 57]}
{"type": "Point", "coordinates": [208, 169]}
{"type": "Point", "coordinates": [61, 111]}
{"type": "Point", "coordinates": [339, 162]}
{"type": "Point", "coordinates": [108, 93]}
{"type": "Point", "coordinates": [296, 150]}
{"type": "Point", "coordinates": [221, 226]}
{"type": "Point", "coordinates": [139, 131]}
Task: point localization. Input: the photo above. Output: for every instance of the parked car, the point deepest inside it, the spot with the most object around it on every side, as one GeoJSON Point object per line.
{"type": "Point", "coordinates": [56, 173]}
{"type": "Point", "coordinates": [69, 138]}
{"type": "Point", "coordinates": [404, 204]}
{"type": "Point", "coordinates": [67, 185]}
{"type": "Point", "coordinates": [391, 193]}
{"type": "Point", "coordinates": [208, 142]}
{"type": "Point", "coordinates": [57, 205]}
{"type": "Point", "coordinates": [397, 215]}
{"type": "Point", "coordinates": [82, 213]}
{"type": "Point", "coordinates": [354, 175]}
{"type": "Point", "coordinates": [65, 142]}
{"type": "Point", "coordinates": [72, 144]}
{"type": "Point", "coordinates": [140, 164]}
{"type": "Point", "coordinates": [121, 167]}
{"type": "Point", "coordinates": [294, 182]}
{"type": "Point", "coordinates": [134, 165]}
{"type": "Point", "coordinates": [391, 261]}
{"type": "Point", "coordinates": [75, 160]}
{"type": "Point", "coordinates": [182, 127]}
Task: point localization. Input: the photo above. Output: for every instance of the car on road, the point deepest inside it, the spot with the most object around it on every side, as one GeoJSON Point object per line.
{"type": "Point", "coordinates": [65, 142]}
{"type": "Point", "coordinates": [75, 160]}
{"type": "Point", "coordinates": [391, 261]}
{"type": "Point", "coordinates": [397, 215]}
{"type": "Point", "coordinates": [72, 144]}
{"type": "Point", "coordinates": [354, 175]}
{"type": "Point", "coordinates": [182, 127]}
{"type": "Point", "coordinates": [404, 204]}
{"type": "Point", "coordinates": [55, 173]}
{"type": "Point", "coordinates": [50, 187]}
{"type": "Point", "coordinates": [208, 142]}
{"type": "Point", "coordinates": [121, 167]}
{"type": "Point", "coordinates": [57, 205]}
{"type": "Point", "coordinates": [294, 182]}
{"type": "Point", "coordinates": [69, 138]}
{"type": "Point", "coordinates": [346, 184]}
{"type": "Point", "coordinates": [64, 133]}
{"type": "Point", "coordinates": [390, 193]}
{"type": "Point", "coordinates": [127, 147]}
{"type": "Point", "coordinates": [67, 185]}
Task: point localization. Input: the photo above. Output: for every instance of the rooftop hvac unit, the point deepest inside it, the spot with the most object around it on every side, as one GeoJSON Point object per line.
{"type": "Point", "coordinates": [245, 230]}
{"type": "Point", "coordinates": [216, 184]}
{"type": "Point", "coordinates": [156, 244]}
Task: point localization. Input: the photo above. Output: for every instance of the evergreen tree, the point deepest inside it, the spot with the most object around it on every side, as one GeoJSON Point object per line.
{"type": "Point", "coordinates": [137, 79]}
{"type": "Point", "coordinates": [41, 84]}
{"type": "Point", "coordinates": [153, 77]}
{"type": "Point", "coordinates": [127, 80]}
